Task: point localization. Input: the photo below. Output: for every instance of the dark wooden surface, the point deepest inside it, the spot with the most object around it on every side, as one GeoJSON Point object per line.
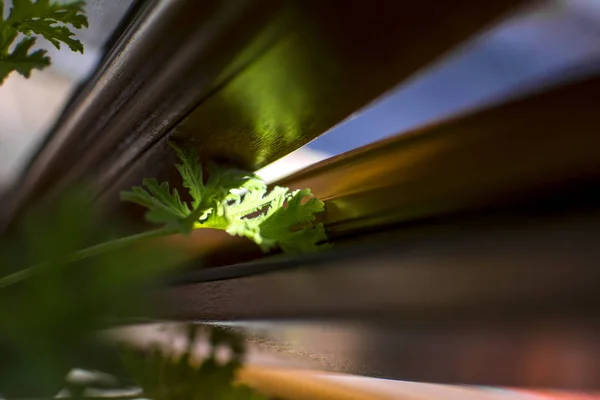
{"type": "Point", "coordinates": [509, 303]}
{"type": "Point", "coordinates": [333, 60]}
{"type": "Point", "coordinates": [505, 267]}
{"type": "Point", "coordinates": [243, 81]}
{"type": "Point", "coordinates": [525, 151]}
{"type": "Point", "coordinates": [521, 151]}
{"type": "Point", "coordinates": [553, 355]}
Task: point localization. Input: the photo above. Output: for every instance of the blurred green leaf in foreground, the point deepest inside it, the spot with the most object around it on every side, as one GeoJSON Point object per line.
{"type": "Point", "coordinates": [48, 321]}
{"type": "Point", "coordinates": [42, 18]}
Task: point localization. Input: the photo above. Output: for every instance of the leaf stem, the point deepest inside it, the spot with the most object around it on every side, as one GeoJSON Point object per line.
{"type": "Point", "coordinates": [87, 253]}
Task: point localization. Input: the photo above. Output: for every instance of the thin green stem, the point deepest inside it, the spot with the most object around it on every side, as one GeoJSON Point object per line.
{"type": "Point", "coordinates": [87, 253]}
{"type": "Point", "coordinates": [118, 244]}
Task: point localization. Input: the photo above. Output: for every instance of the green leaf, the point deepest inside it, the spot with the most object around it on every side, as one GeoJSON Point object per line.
{"type": "Point", "coordinates": [235, 216]}
{"type": "Point", "coordinates": [226, 184]}
{"type": "Point", "coordinates": [292, 227]}
{"type": "Point", "coordinates": [49, 320]}
{"type": "Point", "coordinates": [191, 172]}
{"type": "Point", "coordinates": [29, 11]}
{"type": "Point", "coordinates": [163, 206]}
{"type": "Point", "coordinates": [237, 202]}
{"type": "Point", "coordinates": [48, 19]}
{"type": "Point", "coordinates": [19, 60]}
{"type": "Point", "coordinates": [54, 34]}
{"type": "Point", "coordinates": [283, 221]}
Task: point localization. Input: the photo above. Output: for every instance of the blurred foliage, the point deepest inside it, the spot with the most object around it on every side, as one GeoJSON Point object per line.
{"type": "Point", "coordinates": [45, 18]}
{"type": "Point", "coordinates": [165, 377]}
{"type": "Point", "coordinates": [49, 321]}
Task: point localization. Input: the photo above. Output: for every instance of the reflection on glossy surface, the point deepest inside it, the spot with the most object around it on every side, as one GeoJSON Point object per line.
{"type": "Point", "coordinates": [274, 372]}
{"type": "Point", "coordinates": [330, 62]}
{"type": "Point", "coordinates": [275, 99]}
{"type": "Point", "coordinates": [540, 42]}
{"type": "Point", "coordinates": [561, 356]}
{"type": "Point", "coordinates": [517, 152]}
{"type": "Point", "coordinates": [271, 103]}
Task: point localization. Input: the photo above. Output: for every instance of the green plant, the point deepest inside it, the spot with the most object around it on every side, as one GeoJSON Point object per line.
{"type": "Point", "coordinates": [231, 199]}
{"type": "Point", "coordinates": [43, 18]}
{"type": "Point", "coordinates": [236, 201]}
{"type": "Point", "coordinates": [54, 296]}
{"type": "Point", "coordinates": [49, 321]}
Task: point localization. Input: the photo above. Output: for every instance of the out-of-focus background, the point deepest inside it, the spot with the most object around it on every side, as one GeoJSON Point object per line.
{"type": "Point", "coordinates": [537, 45]}
{"type": "Point", "coordinates": [29, 107]}
{"type": "Point", "coordinates": [546, 42]}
